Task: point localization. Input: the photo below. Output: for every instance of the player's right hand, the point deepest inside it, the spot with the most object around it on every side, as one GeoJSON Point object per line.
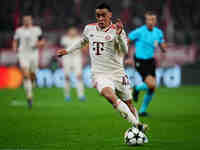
{"type": "Point", "coordinates": [129, 61]}
{"type": "Point", "coordinates": [119, 26]}
{"type": "Point", "coordinates": [61, 52]}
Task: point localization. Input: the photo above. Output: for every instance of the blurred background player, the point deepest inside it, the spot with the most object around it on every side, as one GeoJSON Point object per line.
{"type": "Point", "coordinates": [27, 39]}
{"type": "Point", "coordinates": [107, 46]}
{"type": "Point", "coordinates": [72, 63]}
{"type": "Point", "coordinates": [147, 38]}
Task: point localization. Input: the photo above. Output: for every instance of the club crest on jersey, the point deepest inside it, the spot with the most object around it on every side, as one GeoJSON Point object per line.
{"type": "Point", "coordinates": [108, 37]}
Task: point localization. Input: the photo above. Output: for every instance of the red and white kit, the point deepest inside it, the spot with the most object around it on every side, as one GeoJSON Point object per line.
{"type": "Point", "coordinates": [73, 61]}
{"type": "Point", "coordinates": [27, 51]}
{"type": "Point", "coordinates": [106, 50]}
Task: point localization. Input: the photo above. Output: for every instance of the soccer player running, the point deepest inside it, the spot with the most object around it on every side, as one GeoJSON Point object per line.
{"type": "Point", "coordinates": [27, 40]}
{"type": "Point", "coordinates": [146, 38]}
{"type": "Point", "coordinates": [107, 46]}
{"type": "Point", "coordinates": [72, 63]}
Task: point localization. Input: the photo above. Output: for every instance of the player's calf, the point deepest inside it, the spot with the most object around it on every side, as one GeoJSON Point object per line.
{"type": "Point", "coordinates": [28, 87]}
{"type": "Point", "coordinates": [142, 127]}
{"type": "Point", "coordinates": [67, 89]}
{"type": "Point", "coordinates": [132, 108]}
{"type": "Point", "coordinates": [80, 88]}
{"type": "Point", "coordinates": [118, 104]}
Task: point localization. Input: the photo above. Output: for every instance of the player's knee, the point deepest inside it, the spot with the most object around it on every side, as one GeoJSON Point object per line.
{"type": "Point", "coordinates": [26, 77]}
{"type": "Point", "coordinates": [26, 74]}
{"type": "Point", "coordinates": [67, 78]}
{"type": "Point", "coordinates": [79, 77]}
{"type": "Point", "coordinates": [106, 94]}
{"type": "Point", "coordinates": [32, 76]}
{"type": "Point", "coordinates": [150, 85]}
{"type": "Point", "coordinates": [151, 91]}
{"type": "Point", "coordinates": [151, 82]}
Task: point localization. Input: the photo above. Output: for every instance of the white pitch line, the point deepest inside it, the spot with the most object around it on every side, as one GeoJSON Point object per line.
{"type": "Point", "coordinates": [15, 149]}
{"type": "Point", "coordinates": [19, 103]}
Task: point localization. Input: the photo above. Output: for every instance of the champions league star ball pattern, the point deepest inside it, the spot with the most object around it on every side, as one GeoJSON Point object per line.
{"type": "Point", "coordinates": [133, 137]}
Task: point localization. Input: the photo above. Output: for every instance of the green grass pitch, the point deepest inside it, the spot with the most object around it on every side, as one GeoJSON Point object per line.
{"type": "Point", "coordinates": [94, 125]}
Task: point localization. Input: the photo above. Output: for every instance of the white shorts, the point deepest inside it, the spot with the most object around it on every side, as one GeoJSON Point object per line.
{"type": "Point", "coordinates": [72, 63]}
{"type": "Point", "coordinates": [119, 84]}
{"type": "Point", "coordinates": [29, 60]}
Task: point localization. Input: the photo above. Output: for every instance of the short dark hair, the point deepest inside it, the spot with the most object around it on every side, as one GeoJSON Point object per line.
{"type": "Point", "coordinates": [104, 6]}
{"type": "Point", "coordinates": [150, 13]}
{"type": "Point", "coordinates": [26, 14]}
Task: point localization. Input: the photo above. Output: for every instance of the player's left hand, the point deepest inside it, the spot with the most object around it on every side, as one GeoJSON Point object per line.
{"type": "Point", "coordinates": [129, 61]}
{"type": "Point", "coordinates": [61, 52]}
{"type": "Point", "coordinates": [119, 26]}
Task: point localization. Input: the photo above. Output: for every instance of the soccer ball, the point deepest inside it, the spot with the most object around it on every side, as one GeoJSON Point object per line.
{"type": "Point", "coordinates": [133, 136]}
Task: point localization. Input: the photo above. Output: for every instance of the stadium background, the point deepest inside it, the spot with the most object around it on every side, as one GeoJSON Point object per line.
{"type": "Point", "coordinates": [179, 67]}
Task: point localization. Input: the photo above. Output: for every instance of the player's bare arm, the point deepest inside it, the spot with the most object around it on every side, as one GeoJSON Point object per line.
{"type": "Point", "coordinates": [121, 37]}
{"type": "Point", "coordinates": [76, 46]}
{"type": "Point", "coordinates": [129, 60]}
{"type": "Point", "coordinates": [163, 47]}
{"type": "Point", "coordinates": [41, 42]}
{"type": "Point", "coordinates": [119, 26]}
{"type": "Point", "coordinates": [14, 45]}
